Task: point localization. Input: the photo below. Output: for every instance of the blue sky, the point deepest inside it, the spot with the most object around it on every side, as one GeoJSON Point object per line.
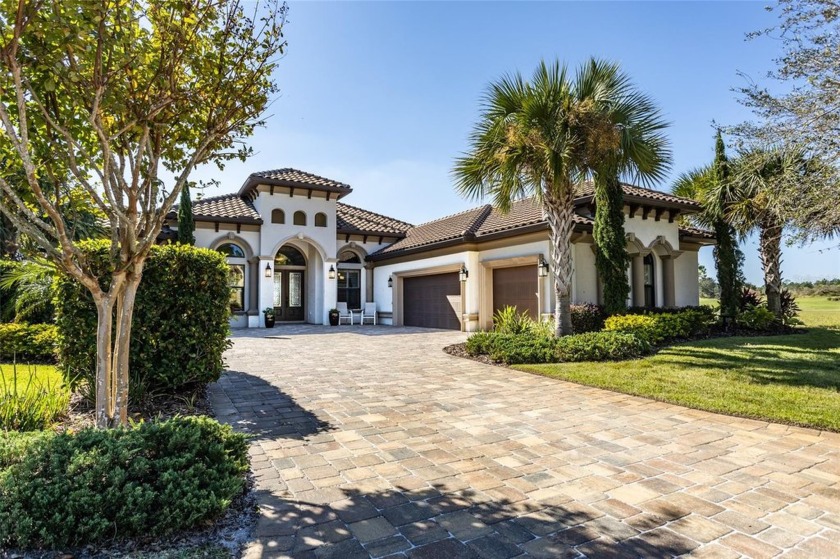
{"type": "Point", "coordinates": [383, 95]}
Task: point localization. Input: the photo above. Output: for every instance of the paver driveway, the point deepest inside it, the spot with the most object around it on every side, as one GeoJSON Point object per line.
{"type": "Point", "coordinates": [373, 442]}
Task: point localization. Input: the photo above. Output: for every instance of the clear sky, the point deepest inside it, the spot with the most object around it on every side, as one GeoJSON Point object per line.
{"type": "Point", "coordinates": [383, 95]}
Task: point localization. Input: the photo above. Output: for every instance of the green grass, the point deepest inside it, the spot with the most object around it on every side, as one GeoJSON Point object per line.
{"type": "Point", "coordinates": [32, 397]}
{"type": "Point", "coordinates": [792, 379]}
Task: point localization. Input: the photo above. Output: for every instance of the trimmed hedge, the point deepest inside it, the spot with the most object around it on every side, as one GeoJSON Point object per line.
{"type": "Point", "coordinates": [180, 325]}
{"type": "Point", "coordinates": [30, 343]}
{"type": "Point", "coordinates": [659, 327]}
{"type": "Point", "coordinates": [591, 346]}
{"type": "Point", "coordinates": [63, 490]}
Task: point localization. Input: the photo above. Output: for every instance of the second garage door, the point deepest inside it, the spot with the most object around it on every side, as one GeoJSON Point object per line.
{"type": "Point", "coordinates": [516, 287]}
{"type": "Point", "coordinates": [432, 301]}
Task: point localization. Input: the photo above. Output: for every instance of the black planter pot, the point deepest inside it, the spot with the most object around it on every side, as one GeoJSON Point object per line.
{"type": "Point", "coordinates": [333, 318]}
{"type": "Point", "coordinates": [269, 321]}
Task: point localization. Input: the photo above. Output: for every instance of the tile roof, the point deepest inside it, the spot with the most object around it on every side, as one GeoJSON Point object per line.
{"type": "Point", "coordinates": [228, 207]}
{"type": "Point", "coordinates": [451, 227]}
{"type": "Point", "coordinates": [696, 232]}
{"type": "Point", "coordinates": [294, 177]}
{"type": "Point", "coordinates": [350, 219]}
{"type": "Point", "coordinates": [523, 213]}
{"type": "Point", "coordinates": [587, 190]}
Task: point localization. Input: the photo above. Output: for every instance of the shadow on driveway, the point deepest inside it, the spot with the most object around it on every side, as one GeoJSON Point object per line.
{"type": "Point", "coordinates": [433, 523]}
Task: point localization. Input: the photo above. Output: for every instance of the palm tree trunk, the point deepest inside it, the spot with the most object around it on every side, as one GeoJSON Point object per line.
{"type": "Point", "coordinates": [559, 212]}
{"type": "Point", "coordinates": [770, 252]}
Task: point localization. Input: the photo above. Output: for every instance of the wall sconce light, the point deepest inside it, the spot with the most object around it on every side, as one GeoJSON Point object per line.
{"type": "Point", "coordinates": [463, 274]}
{"type": "Point", "coordinates": [542, 267]}
{"type": "Point", "coordinates": [332, 272]}
{"type": "Point", "coordinates": [267, 270]}
{"type": "Point", "coordinates": [390, 281]}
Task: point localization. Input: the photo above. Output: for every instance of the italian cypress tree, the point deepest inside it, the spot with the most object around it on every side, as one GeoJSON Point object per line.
{"type": "Point", "coordinates": [186, 223]}
{"type": "Point", "coordinates": [611, 256]}
{"type": "Point", "coordinates": [726, 253]}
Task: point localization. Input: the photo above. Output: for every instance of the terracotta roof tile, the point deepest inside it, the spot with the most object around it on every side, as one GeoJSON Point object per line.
{"type": "Point", "coordinates": [696, 232]}
{"type": "Point", "coordinates": [301, 178]}
{"type": "Point", "coordinates": [523, 213]}
{"type": "Point", "coordinates": [226, 207]}
{"type": "Point", "coordinates": [587, 191]}
{"type": "Point", "coordinates": [440, 230]}
{"type": "Point", "coordinates": [350, 219]}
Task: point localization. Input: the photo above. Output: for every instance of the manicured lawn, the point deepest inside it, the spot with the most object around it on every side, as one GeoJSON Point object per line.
{"type": "Point", "coordinates": [28, 375]}
{"type": "Point", "coordinates": [789, 379]}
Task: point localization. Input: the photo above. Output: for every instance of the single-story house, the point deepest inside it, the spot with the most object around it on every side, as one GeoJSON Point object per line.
{"type": "Point", "coordinates": [293, 245]}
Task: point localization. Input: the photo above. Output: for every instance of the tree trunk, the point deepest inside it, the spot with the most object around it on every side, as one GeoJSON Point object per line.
{"type": "Point", "coordinates": [770, 252]}
{"type": "Point", "coordinates": [559, 212]}
{"type": "Point", "coordinates": [104, 369]}
{"type": "Point", "coordinates": [124, 315]}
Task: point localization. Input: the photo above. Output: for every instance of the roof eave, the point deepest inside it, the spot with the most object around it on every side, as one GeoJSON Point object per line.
{"type": "Point", "coordinates": [685, 208]}
{"type": "Point", "coordinates": [253, 181]}
{"type": "Point", "coordinates": [370, 233]}
{"type": "Point", "coordinates": [218, 219]}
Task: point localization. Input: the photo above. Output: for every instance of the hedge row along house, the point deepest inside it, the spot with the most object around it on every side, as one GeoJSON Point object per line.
{"type": "Point", "coordinates": [293, 245]}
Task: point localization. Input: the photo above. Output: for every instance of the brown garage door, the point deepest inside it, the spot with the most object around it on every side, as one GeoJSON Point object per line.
{"type": "Point", "coordinates": [432, 301]}
{"type": "Point", "coordinates": [516, 287]}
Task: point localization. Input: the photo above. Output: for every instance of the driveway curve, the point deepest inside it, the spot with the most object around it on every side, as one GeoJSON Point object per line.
{"type": "Point", "coordinates": [372, 442]}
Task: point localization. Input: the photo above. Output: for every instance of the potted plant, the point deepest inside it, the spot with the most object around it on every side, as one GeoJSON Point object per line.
{"type": "Point", "coordinates": [269, 317]}
{"type": "Point", "coordinates": [333, 317]}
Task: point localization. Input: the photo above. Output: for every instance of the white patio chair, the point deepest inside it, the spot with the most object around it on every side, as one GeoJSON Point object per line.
{"type": "Point", "coordinates": [369, 313]}
{"type": "Point", "coordinates": [344, 314]}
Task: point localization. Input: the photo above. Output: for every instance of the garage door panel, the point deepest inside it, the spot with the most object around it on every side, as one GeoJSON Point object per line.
{"type": "Point", "coordinates": [432, 301]}
{"type": "Point", "coordinates": [516, 287]}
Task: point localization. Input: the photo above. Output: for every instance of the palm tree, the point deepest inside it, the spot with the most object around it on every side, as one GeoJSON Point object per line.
{"type": "Point", "coordinates": [755, 199]}
{"type": "Point", "coordinates": [525, 144]}
{"type": "Point", "coordinates": [623, 135]}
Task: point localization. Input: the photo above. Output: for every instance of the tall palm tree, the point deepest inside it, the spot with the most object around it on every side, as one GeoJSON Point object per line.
{"type": "Point", "coordinates": [526, 143]}
{"type": "Point", "coordinates": [756, 199]}
{"type": "Point", "coordinates": [624, 138]}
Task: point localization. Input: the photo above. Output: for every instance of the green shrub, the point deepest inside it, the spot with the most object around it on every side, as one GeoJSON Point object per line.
{"type": "Point", "coordinates": [479, 343]}
{"type": "Point", "coordinates": [7, 294]}
{"type": "Point", "coordinates": [29, 401]}
{"type": "Point", "coordinates": [180, 325]}
{"type": "Point", "coordinates": [521, 348]}
{"type": "Point", "coordinates": [32, 343]}
{"type": "Point", "coordinates": [790, 310]}
{"type": "Point", "coordinates": [758, 318]}
{"type": "Point", "coordinates": [587, 318]}
{"type": "Point", "coordinates": [64, 490]}
{"type": "Point", "coordinates": [600, 346]}
{"type": "Point", "coordinates": [660, 327]}
{"type": "Point", "coordinates": [509, 321]}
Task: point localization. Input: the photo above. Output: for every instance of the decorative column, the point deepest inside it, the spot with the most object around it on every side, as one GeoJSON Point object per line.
{"type": "Point", "coordinates": [668, 287]}
{"type": "Point", "coordinates": [638, 287]}
{"type": "Point", "coordinates": [266, 286]}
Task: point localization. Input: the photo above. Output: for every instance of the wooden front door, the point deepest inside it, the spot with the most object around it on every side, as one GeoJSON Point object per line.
{"type": "Point", "coordinates": [289, 289]}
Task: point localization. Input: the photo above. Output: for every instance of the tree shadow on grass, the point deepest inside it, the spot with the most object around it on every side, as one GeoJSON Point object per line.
{"type": "Point", "coordinates": [258, 408]}
{"type": "Point", "coordinates": [434, 522]}
{"type": "Point", "coordinates": [807, 360]}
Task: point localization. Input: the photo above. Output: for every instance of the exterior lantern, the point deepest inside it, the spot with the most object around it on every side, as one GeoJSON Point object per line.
{"type": "Point", "coordinates": [332, 272]}
{"type": "Point", "coordinates": [542, 267]}
{"type": "Point", "coordinates": [463, 274]}
{"type": "Point", "coordinates": [390, 281]}
{"type": "Point", "coordinates": [267, 270]}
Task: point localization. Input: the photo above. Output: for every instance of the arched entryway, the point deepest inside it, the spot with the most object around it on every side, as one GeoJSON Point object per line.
{"type": "Point", "coordinates": [289, 284]}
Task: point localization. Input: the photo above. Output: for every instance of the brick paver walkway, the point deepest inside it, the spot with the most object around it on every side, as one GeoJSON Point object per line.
{"type": "Point", "coordinates": [371, 442]}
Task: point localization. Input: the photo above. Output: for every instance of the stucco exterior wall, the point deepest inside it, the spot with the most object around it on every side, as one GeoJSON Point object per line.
{"type": "Point", "coordinates": [586, 277]}
{"type": "Point", "coordinates": [686, 279]}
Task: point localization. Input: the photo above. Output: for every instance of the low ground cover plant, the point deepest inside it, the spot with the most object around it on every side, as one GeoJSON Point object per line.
{"type": "Point", "coordinates": [58, 491]}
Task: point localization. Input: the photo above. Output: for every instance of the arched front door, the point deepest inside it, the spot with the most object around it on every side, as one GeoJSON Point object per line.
{"type": "Point", "coordinates": [289, 284]}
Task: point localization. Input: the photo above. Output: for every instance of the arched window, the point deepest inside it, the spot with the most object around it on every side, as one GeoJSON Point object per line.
{"type": "Point", "coordinates": [289, 256]}
{"type": "Point", "coordinates": [300, 218]}
{"type": "Point", "coordinates": [236, 279]}
{"type": "Point", "coordinates": [320, 219]}
{"type": "Point", "coordinates": [278, 216]}
{"type": "Point", "coordinates": [231, 250]}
